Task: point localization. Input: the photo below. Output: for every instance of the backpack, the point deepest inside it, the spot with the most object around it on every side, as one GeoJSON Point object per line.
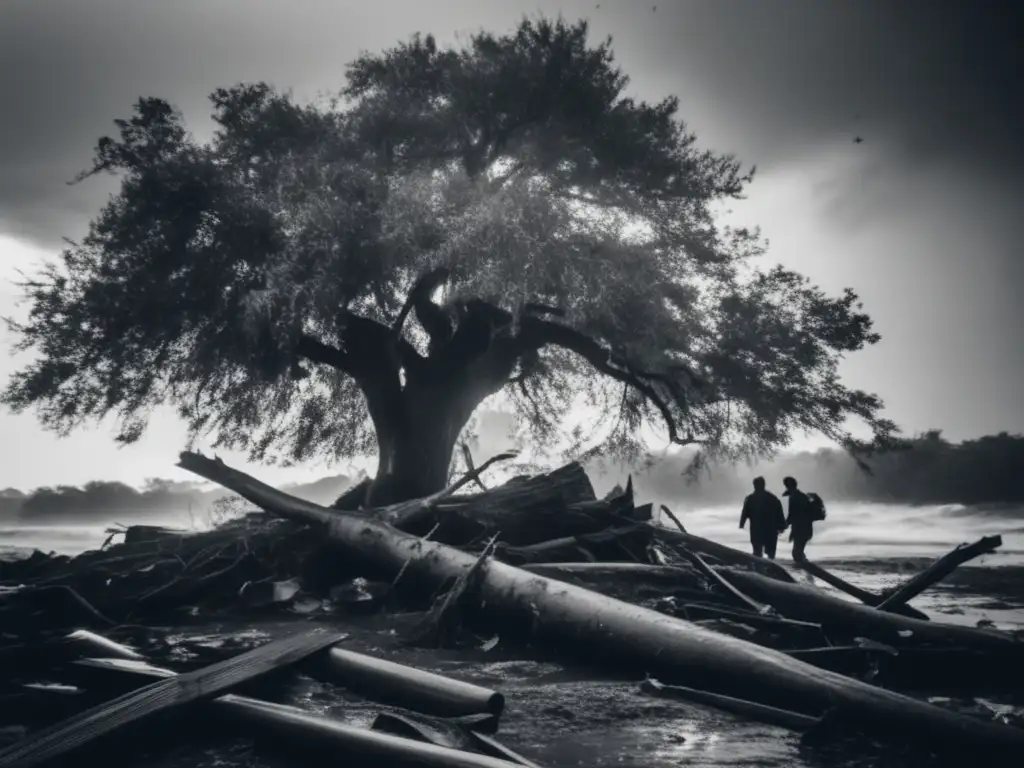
{"type": "Point", "coordinates": [818, 511]}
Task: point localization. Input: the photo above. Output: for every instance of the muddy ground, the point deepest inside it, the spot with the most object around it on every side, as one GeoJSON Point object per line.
{"type": "Point", "coordinates": [562, 715]}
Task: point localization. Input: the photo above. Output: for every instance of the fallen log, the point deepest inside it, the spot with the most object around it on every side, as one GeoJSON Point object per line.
{"type": "Point", "coordinates": [868, 598]}
{"type": "Point", "coordinates": [609, 545]}
{"type": "Point", "coordinates": [727, 555]}
{"type": "Point", "coordinates": [803, 629]}
{"type": "Point", "coordinates": [792, 720]}
{"type": "Point", "coordinates": [298, 729]}
{"type": "Point", "coordinates": [294, 729]}
{"type": "Point", "coordinates": [402, 686]}
{"type": "Point", "coordinates": [632, 582]}
{"type": "Point", "coordinates": [939, 570]}
{"type": "Point", "coordinates": [520, 510]}
{"type": "Point", "coordinates": [632, 637]}
{"type": "Point", "coordinates": [76, 732]}
{"type": "Point", "coordinates": [842, 618]}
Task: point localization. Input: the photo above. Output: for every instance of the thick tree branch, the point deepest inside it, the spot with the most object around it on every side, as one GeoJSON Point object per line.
{"type": "Point", "coordinates": [536, 333]}
{"type": "Point", "coordinates": [433, 319]}
{"type": "Point", "coordinates": [317, 352]}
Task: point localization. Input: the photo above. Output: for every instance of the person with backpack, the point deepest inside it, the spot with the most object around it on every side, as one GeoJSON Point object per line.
{"type": "Point", "coordinates": [805, 509]}
{"type": "Point", "coordinates": [767, 520]}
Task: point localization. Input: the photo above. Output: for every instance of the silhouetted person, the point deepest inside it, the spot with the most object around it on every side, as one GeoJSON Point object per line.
{"type": "Point", "coordinates": [800, 518]}
{"type": "Point", "coordinates": [764, 511]}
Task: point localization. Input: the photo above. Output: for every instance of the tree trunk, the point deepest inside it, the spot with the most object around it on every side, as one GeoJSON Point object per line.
{"type": "Point", "coordinates": [416, 443]}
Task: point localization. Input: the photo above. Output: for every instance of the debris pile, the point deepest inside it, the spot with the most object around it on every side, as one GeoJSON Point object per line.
{"type": "Point", "coordinates": [539, 562]}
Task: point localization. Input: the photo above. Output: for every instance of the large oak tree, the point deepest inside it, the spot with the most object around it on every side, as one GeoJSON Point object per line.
{"type": "Point", "coordinates": [281, 283]}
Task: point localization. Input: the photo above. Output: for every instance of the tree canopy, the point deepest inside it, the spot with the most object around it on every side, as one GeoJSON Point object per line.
{"type": "Point", "coordinates": [254, 279]}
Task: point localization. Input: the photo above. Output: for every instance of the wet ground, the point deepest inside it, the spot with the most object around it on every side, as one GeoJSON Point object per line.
{"type": "Point", "coordinates": [561, 716]}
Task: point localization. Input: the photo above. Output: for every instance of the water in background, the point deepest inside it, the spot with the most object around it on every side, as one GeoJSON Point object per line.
{"type": "Point", "coordinates": [852, 532]}
{"type": "Point", "coordinates": [860, 532]}
{"type": "Point", "coordinates": [19, 541]}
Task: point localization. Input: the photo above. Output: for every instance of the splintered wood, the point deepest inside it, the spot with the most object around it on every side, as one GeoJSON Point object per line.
{"type": "Point", "coordinates": [202, 684]}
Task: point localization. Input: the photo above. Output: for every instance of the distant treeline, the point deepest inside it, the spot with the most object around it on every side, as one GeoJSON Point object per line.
{"type": "Point", "coordinates": [931, 470]}
{"type": "Point", "coordinates": [102, 501]}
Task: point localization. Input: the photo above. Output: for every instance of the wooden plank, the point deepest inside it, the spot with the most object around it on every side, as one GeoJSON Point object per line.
{"type": "Point", "coordinates": [200, 685]}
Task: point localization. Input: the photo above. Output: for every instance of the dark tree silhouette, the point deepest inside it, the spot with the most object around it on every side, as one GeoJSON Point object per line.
{"type": "Point", "coordinates": [262, 281]}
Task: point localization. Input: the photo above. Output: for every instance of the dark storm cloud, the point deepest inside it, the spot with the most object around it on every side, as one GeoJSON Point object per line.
{"type": "Point", "coordinates": [931, 81]}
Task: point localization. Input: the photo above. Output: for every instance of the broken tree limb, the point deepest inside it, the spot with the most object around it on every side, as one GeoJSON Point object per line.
{"type": "Point", "coordinates": [673, 518]}
{"type": "Point", "coordinates": [727, 555]}
{"type": "Point", "coordinates": [868, 598]}
{"type": "Point", "coordinates": [565, 616]}
{"type": "Point", "coordinates": [939, 570]}
{"type": "Point", "coordinates": [720, 580]}
{"type": "Point", "coordinates": [402, 686]}
{"type": "Point", "coordinates": [467, 456]}
{"type": "Point", "coordinates": [444, 620]}
{"type": "Point", "coordinates": [844, 618]}
{"type": "Point", "coordinates": [298, 729]}
{"type": "Point", "coordinates": [609, 545]}
{"type": "Point", "coordinates": [65, 737]}
{"type": "Point", "coordinates": [792, 720]}
{"type": "Point", "coordinates": [805, 629]}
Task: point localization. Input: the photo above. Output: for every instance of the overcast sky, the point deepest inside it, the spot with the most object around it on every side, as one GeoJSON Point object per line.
{"type": "Point", "coordinates": [923, 218]}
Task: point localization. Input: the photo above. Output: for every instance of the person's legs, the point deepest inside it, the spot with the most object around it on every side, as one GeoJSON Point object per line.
{"type": "Point", "coordinates": [771, 544]}
{"type": "Point", "coordinates": [757, 545]}
{"type": "Point", "coordinates": [799, 542]}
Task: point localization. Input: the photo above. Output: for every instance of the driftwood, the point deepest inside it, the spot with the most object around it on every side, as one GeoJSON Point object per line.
{"type": "Point", "coordinates": [518, 509]}
{"type": "Point", "coordinates": [801, 602]}
{"type": "Point", "coordinates": [796, 630]}
{"type": "Point", "coordinates": [868, 598]}
{"type": "Point", "coordinates": [566, 616]}
{"type": "Point", "coordinates": [76, 732]}
{"type": "Point", "coordinates": [726, 555]}
{"type": "Point", "coordinates": [718, 578]}
{"type": "Point", "coordinates": [791, 720]}
{"type": "Point", "coordinates": [402, 686]}
{"type": "Point", "coordinates": [938, 570]}
{"type": "Point", "coordinates": [607, 545]}
{"type": "Point", "coordinates": [292, 729]}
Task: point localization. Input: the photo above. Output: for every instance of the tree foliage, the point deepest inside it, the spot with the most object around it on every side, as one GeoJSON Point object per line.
{"type": "Point", "coordinates": [253, 279]}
